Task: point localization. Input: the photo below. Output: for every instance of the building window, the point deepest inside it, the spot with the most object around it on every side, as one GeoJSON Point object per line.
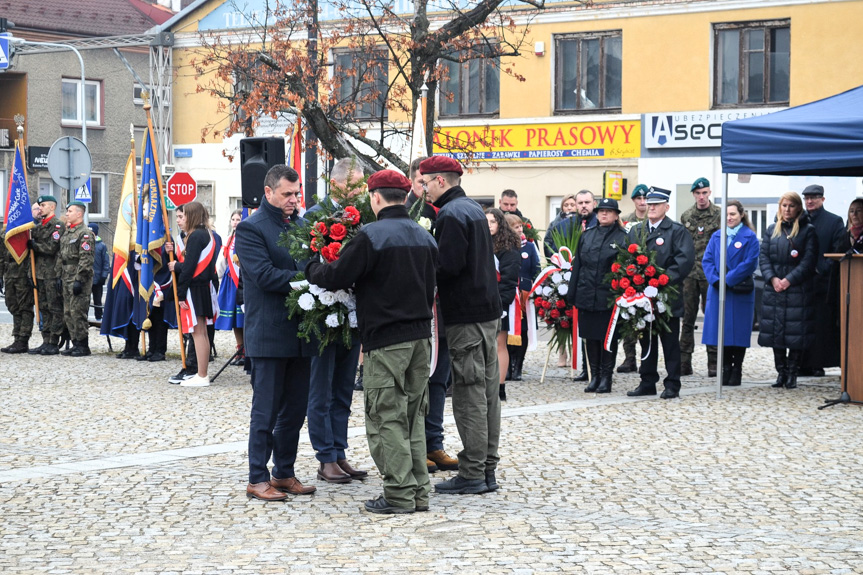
{"type": "Point", "coordinates": [98, 208]}
{"type": "Point", "coordinates": [363, 84]}
{"type": "Point", "coordinates": [72, 94]}
{"type": "Point", "coordinates": [472, 87]}
{"type": "Point", "coordinates": [588, 72]}
{"type": "Point", "coordinates": [753, 63]}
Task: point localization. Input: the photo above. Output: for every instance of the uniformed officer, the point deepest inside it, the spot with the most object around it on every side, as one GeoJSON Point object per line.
{"type": "Point", "coordinates": [75, 268]}
{"type": "Point", "coordinates": [45, 243]}
{"type": "Point", "coordinates": [639, 198]}
{"type": "Point", "coordinates": [701, 220]}
{"type": "Point", "coordinates": [675, 254]}
{"type": "Point", "coordinates": [18, 283]}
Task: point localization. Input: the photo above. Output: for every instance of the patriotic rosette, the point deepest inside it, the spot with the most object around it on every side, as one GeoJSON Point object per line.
{"type": "Point", "coordinates": [641, 294]}
{"type": "Point", "coordinates": [548, 299]}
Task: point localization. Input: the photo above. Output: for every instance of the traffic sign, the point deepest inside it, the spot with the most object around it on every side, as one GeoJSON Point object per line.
{"type": "Point", "coordinates": [69, 163]}
{"type": "Point", "coordinates": [182, 188]}
{"type": "Point", "coordinates": [83, 194]}
{"type": "Point", "coordinates": [4, 51]}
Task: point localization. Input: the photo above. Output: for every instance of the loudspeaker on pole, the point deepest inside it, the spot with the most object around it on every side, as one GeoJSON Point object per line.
{"type": "Point", "coordinates": [257, 156]}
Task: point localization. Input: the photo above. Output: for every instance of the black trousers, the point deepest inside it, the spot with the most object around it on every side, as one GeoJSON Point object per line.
{"type": "Point", "coordinates": [97, 299]}
{"type": "Point", "coordinates": [670, 351]}
{"type": "Point", "coordinates": [158, 331]}
{"type": "Point", "coordinates": [280, 393]}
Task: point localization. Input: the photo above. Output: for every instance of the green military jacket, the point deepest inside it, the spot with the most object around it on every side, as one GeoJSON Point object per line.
{"type": "Point", "coordinates": [701, 224]}
{"type": "Point", "coordinates": [75, 258]}
{"type": "Point", "coordinates": [9, 269]}
{"type": "Point", "coordinates": [46, 244]}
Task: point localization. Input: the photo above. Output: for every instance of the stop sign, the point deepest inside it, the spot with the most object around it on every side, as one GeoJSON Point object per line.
{"type": "Point", "coordinates": [182, 188]}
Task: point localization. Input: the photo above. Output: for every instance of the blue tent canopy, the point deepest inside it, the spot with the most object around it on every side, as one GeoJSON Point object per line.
{"type": "Point", "coordinates": [823, 138]}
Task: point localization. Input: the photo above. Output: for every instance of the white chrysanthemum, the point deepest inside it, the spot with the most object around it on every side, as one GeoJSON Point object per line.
{"type": "Point", "coordinates": [306, 301]}
{"type": "Point", "coordinates": [562, 289]}
{"type": "Point", "coordinates": [624, 315]}
{"type": "Point", "coordinates": [556, 278]}
{"type": "Point", "coordinates": [650, 291]}
{"type": "Point", "coordinates": [316, 290]}
{"type": "Point", "coordinates": [342, 296]}
{"type": "Point", "coordinates": [332, 320]}
{"type": "Point", "coordinates": [649, 317]}
{"type": "Point", "coordinates": [547, 291]}
{"type": "Point", "coordinates": [328, 298]}
{"type": "Point", "coordinates": [566, 276]}
{"type": "Point", "coordinates": [660, 307]}
{"type": "Point", "coordinates": [352, 318]}
{"type": "Point", "coordinates": [425, 223]}
{"type": "Point", "coordinates": [640, 324]}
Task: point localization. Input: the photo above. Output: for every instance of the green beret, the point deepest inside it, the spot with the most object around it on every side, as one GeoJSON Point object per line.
{"type": "Point", "coordinates": [41, 199]}
{"type": "Point", "coordinates": [78, 204]}
{"type": "Point", "coordinates": [640, 190]}
{"type": "Point", "coordinates": [700, 183]}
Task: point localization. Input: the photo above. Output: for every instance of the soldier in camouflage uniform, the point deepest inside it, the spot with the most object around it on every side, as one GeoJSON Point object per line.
{"type": "Point", "coordinates": [18, 282]}
{"type": "Point", "coordinates": [701, 220]}
{"type": "Point", "coordinates": [75, 268]}
{"type": "Point", "coordinates": [45, 243]}
{"type": "Point", "coordinates": [639, 198]}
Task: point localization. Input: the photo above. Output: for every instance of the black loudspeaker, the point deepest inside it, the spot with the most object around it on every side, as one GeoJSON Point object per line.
{"type": "Point", "coordinates": [257, 156]}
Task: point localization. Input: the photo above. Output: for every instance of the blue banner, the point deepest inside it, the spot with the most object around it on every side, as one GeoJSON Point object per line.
{"type": "Point", "coordinates": [151, 229]}
{"type": "Point", "coordinates": [18, 215]}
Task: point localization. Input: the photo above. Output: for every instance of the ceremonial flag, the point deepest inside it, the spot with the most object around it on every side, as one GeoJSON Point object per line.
{"type": "Point", "coordinates": [120, 298]}
{"type": "Point", "coordinates": [150, 221]}
{"type": "Point", "coordinates": [18, 215]}
{"type": "Point", "coordinates": [297, 158]}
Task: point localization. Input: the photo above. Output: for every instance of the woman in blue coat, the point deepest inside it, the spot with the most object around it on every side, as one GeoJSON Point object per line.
{"type": "Point", "coordinates": [742, 259]}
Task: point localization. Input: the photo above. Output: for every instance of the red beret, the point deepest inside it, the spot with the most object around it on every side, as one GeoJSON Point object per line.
{"type": "Point", "coordinates": [439, 165]}
{"type": "Point", "coordinates": [388, 179]}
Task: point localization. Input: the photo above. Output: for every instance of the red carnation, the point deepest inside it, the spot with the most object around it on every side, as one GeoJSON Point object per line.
{"type": "Point", "coordinates": [624, 283]}
{"type": "Point", "coordinates": [631, 269]}
{"type": "Point", "coordinates": [615, 267]}
{"type": "Point", "coordinates": [564, 324]}
{"type": "Point", "coordinates": [352, 214]}
{"type": "Point", "coordinates": [568, 312]}
{"type": "Point", "coordinates": [641, 260]}
{"type": "Point", "coordinates": [321, 228]}
{"type": "Point", "coordinates": [653, 283]}
{"type": "Point", "coordinates": [615, 284]}
{"type": "Point", "coordinates": [538, 300]}
{"type": "Point", "coordinates": [630, 291]}
{"type": "Point", "coordinates": [650, 271]}
{"type": "Point", "coordinates": [561, 304]}
{"type": "Point", "coordinates": [632, 248]}
{"type": "Point", "coordinates": [554, 313]}
{"type": "Point", "coordinates": [546, 304]}
{"type": "Point", "coordinates": [541, 312]}
{"type": "Point", "coordinates": [638, 279]}
{"type": "Point", "coordinates": [338, 232]}
{"type": "Point", "coordinates": [663, 279]}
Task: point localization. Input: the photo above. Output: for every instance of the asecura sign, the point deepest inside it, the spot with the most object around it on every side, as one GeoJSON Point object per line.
{"type": "Point", "coordinates": [575, 140]}
{"type": "Point", "coordinates": [692, 129]}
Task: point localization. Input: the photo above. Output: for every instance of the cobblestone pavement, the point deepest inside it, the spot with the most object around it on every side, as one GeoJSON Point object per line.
{"type": "Point", "coordinates": [105, 468]}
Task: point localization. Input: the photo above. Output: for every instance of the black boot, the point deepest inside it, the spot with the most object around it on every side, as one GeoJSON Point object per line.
{"type": "Point", "coordinates": [606, 369]}
{"type": "Point", "coordinates": [594, 356]}
{"type": "Point", "coordinates": [737, 367]}
{"type": "Point", "coordinates": [502, 392]}
{"type": "Point", "coordinates": [38, 350]}
{"type": "Point", "coordinates": [517, 367]}
{"type": "Point", "coordinates": [583, 375]}
{"type": "Point", "coordinates": [51, 348]}
{"type": "Point", "coordinates": [794, 356]}
{"type": "Point", "coordinates": [81, 348]}
{"type": "Point", "coordinates": [781, 364]}
{"type": "Point", "coordinates": [727, 364]}
{"type": "Point", "coordinates": [508, 376]}
{"type": "Point", "coordinates": [19, 346]}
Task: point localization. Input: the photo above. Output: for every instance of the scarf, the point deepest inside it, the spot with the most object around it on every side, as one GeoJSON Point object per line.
{"type": "Point", "coordinates": [731, 232]}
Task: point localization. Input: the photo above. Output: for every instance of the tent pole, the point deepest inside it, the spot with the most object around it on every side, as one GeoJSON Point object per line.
{"type": "Point", "coordinates": [723, 258]}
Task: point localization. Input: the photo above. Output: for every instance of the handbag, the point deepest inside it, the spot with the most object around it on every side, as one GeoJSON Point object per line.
{"type": "Point", "coordinates": [744, 287]}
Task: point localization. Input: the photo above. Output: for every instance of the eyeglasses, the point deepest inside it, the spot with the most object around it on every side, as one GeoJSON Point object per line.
{"type": "Point", "coordinates": [426, 184]}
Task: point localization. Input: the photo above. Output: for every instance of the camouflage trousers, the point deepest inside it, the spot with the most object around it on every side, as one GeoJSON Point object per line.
{"type": "Point", "coordinates": [19, 302]}
{"type": "Point", "coordinates": [694, 296]}
{"type": "Point", "coordinates": [75, 310]}
{"type": "Point", "coordinates": [50, 307]}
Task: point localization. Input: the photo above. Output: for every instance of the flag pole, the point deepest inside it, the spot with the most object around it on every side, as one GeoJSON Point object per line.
{"type": "Point", "coordinates": [20, 146]}
{"type": "Point", "coordinates": [167, 233]}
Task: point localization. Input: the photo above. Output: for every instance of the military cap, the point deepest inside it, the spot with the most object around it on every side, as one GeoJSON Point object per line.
{"type": "Point", "coordinates": [608, 204]}
{"type": "Point", "coordinates": [813, 190]}
{"type": "Point", "coordinates": [41, 199]}
{"type": "Point", "coordinates": [78, 204]}
{"type": "Point", "coordinates": [388, 179]}
{"type": "Point", "coordinates": [700, 183]}
{"type": "Point", "coordinates": [639, 191]}
{"type": "Point", "coordinates": [439, 165]}
{"type": "Point", "coordinates": [657, 195]}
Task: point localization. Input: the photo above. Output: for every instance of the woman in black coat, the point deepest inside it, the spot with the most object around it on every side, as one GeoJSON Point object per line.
{"type": "Point", "coordinates": [507, 252]}
{"type": "Point", "coordinates": [591, 294]}
{"type": "Point", "coordinates": [854, 237]}
{"type": "Point", "coordinates": [789, 252]}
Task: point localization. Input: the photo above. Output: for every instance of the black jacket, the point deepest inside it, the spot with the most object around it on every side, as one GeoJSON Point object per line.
{"type": "Point", "coordinates": [195, 244]}
{"type": "Point", "coordinates": [466, 278]}
{"type": "Point", "coordinates": [597, 250]}
{"type": "Point", "coordinates": [391, 266]}
{"type": "Point", "coordinates": [675, 253]}
{"type": "Point", "coordinates": [788, 317]}
{"type": "Point", "coordinates": [508, 265]}
{"type": "Point", "coordinates": [832, 235]}
{"type": "Point", "coordinates": [268, 270]}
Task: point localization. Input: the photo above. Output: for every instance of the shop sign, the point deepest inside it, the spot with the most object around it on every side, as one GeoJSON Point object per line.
{"type": "Point", "coordinates": [561, 141]}
{"type": "Point", "coordinates": [693, 129]}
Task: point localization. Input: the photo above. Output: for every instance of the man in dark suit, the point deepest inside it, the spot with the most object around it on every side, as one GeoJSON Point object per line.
{"type": "Point", "coordinates": [280, 361]}
{"type": "Point", "coordinates": [675, 253]}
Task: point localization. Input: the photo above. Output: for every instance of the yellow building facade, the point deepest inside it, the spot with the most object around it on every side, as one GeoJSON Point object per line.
{"type": "Point", "coordinates": [661, 66]}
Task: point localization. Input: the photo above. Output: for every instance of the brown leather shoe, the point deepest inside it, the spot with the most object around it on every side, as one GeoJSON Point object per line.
{"type": "Point", "coordinates": [332, 473]}
{"type": "Point", "coordinates": [264, 491]}
{"type": "Point", "coordinates": [354, 473]}
{"type": "Point", "coordinates": [443, 460]}
{"type": "Point", "coordinates": [432, 466]}
{"type": "Point", "coordinates": [293, 486]}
